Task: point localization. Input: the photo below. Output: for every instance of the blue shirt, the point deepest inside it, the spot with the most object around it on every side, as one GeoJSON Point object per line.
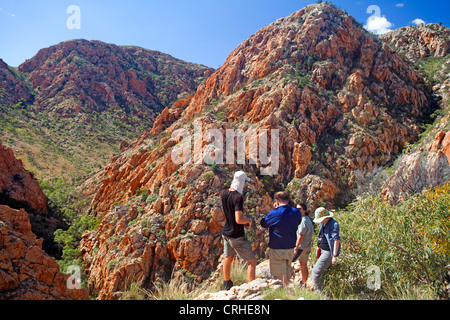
{"type": "Point", "coordinates": [331, 233]}
{"type": "Point", "coordinates": [283, 224]}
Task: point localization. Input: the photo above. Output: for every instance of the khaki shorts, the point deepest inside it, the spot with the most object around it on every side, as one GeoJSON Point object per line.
{"type": "Point", "coordinates": [280, 261]}
{"type": "Point", "coordinates": [304, 256]}
{"type": "Point", "coordinates": [238, 246]}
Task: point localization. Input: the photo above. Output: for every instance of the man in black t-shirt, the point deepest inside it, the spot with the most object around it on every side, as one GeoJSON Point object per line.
{"type": "Point", "coordinates": [233, 233]}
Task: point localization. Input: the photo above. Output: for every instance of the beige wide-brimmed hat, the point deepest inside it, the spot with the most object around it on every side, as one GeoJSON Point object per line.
{"type": "Point", "coordinates": [321, 214]}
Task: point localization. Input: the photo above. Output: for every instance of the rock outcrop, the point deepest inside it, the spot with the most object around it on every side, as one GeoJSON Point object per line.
{"type": "Point", "coordinates": [94, 75]}
{"type": "Point", "coordinates": [12, 89]}
{"type": "Point", "coordinates": [255, 290]}
{"type": "Point", "coordinates": [342, 100]}
{"type": "Point", "coordinates": [420, 41]}
{"type": "Point", "coordinates": [18, 188]}
{"type": "Point", "coordinates": [26, 271]}
{"type": "Point", "coordinates": [427, 164]}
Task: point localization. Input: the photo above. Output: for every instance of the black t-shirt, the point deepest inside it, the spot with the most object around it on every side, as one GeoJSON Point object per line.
{"type": "Point", "coordinates": [232, 201]}
{"type": "Point", "coordinates": [323, 242]}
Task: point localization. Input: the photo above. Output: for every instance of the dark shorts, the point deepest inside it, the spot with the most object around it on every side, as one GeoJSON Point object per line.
{"type": "Point", "coordinates": [238, 246]}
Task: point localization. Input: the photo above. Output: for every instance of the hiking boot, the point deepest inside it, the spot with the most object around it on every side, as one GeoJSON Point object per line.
{"type": "Point", "coordinates": [227, 285]}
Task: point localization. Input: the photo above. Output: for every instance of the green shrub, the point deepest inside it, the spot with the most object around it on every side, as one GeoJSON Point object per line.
{"type": "Point", "coordinates": [208, 175]}
{"type": "Point", "coordinates": [303, 81]}
{"type": "Point", "coordinates": [310, 62]}
{"type": "Point", "coordinates": [70, 239]}
{"type": "Point", "coordinates": [409, 242]}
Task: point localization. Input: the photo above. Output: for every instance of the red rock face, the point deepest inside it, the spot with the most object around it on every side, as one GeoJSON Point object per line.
{"type": "Point", "coordinates": [427, 164]}
{"type": "Point", "coordinates": [12, 89]}
{"type": "Point", "coordinates": [342, 101]}
{"type": "Point", "coordinates": [94, 76]}
{"type": "Point", "coordinates": [18, 185]}
{"type": "Point", "coordinates": [26, 272]}
{"type": "Point", "coordinates": [421, 41]}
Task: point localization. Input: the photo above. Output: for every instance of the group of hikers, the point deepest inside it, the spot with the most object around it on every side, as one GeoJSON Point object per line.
{"type": "Point", "coordinates": [290, 237]}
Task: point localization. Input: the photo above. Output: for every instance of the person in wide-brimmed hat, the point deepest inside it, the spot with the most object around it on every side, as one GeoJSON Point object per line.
{"type": "Point", "coordinates": [329, 245]}
{"type": "Point", "coordinates": [321, 214]}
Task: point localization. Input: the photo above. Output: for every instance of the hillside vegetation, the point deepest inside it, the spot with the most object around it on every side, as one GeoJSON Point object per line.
{"type": "Point", "coordinates": [408, 242]}
{"type": "Point", "coordinates": [71, 107]}
{"type": "Point", "coordinates": [363, 124]}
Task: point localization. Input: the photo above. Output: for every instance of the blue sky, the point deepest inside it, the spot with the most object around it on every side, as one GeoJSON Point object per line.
{"type": "Point", "coordinates": [201, 31]}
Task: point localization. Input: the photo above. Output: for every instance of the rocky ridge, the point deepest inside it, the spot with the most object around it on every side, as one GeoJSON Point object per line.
{"type": "Point", "coordinates": [421, 41]}
{"type": "Point", "coordinates": [343, 102]}
{"type": "Point", "coordinates": [12, 89]}
{"type": "Point", "coordinates": [17, 186]}
{"type": "Point", "coordinates": [80, 74]}
{"type": "Point", "coordinates": [77, 101]}
{"type": "Point", "coordinates": [426, 164]}
{"type": "Point", "coordinates": [26, 271]}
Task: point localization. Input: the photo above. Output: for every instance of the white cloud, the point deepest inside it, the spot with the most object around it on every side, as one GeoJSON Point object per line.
{"type": "Point", "coordinates": [400, 5]}
{"type": "Point", "coordinates": [11, 14]}
{"type": "Point", "coordinates": [378, 25]}
{"type": "Point", "coordinates": [418, 21]}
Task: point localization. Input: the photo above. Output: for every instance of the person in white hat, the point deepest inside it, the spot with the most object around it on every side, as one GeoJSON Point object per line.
{"type": "Point", "coordinates": [233, 232]}
{"type": "Point", "coordinates": [329, 245]}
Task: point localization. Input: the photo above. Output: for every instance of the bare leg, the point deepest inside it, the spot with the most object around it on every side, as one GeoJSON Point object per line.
{"type": "Point", "coordinates": [227, 268]}
{"type": "Point", "coordinates": [304, 270]}
{"type": "Point", "coordinates": [251, 270]}
{"type": "Point", "coordinates": [285, 279]}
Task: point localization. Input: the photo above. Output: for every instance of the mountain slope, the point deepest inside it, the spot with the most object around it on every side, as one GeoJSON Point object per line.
{"type": "Point", "coordinates": [343, 101]}
{"type": "Point", "coordinates": [425, 164]}
{"type": "Point", "coordinates": [27, 272]}
{"type": "Point", "coordinates": [76, 102]}
{"type": "Point", "coordinates": [95, 76]}
{"type": "Point", "coordinates": [12, 88]}
{"type": "Point", "coordinates": [421, 41]}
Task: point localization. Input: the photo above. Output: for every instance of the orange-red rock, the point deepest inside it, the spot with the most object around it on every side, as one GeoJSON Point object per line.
{"type": "Point", "coordinates": [18, 187]}
{"type": "Point", "coordinates": [330, 126]}
{"type": "Point", "coordinates": [26, 271]}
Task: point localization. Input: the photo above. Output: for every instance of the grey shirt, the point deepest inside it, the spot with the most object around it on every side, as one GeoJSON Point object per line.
{"type": "Point", "coordinates": [305, 228]}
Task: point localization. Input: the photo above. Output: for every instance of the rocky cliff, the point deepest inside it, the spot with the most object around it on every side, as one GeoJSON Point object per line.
{"type": "Point", "coordinates": [12, 89]}
{"type": "Point", "coordinates": [343, 102]}
{"type": "Point", "coordinates": [26, 271]}
{"type": "Point", "coordinates": [77, 101]}
{"type": "Point", "coordinates": [425, 164]}
{"type": "Point", "coordinates": [80, 74]}
{"type": "Point", "coordinates": [18, 188]}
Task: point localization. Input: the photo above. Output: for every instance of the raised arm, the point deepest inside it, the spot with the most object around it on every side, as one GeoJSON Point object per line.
{"type": "Point", "coordinates": [240, 219]}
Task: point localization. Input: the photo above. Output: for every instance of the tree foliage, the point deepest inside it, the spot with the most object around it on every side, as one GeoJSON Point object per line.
{"type": "Point", "coordinates": [408, 242]}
